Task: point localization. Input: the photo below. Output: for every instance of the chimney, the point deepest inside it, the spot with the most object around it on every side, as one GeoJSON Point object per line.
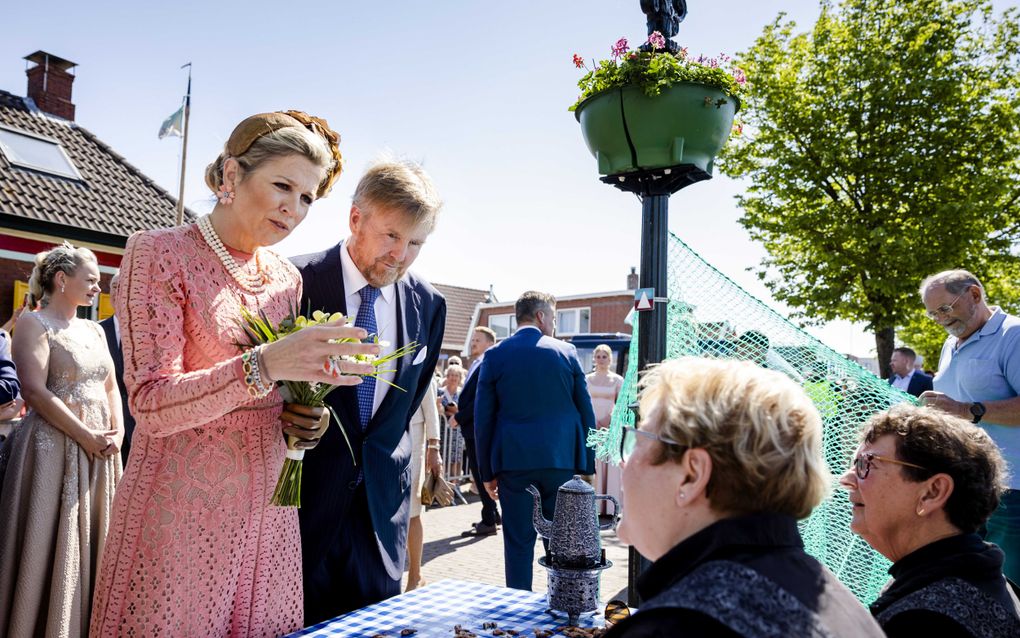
{"type": "Point", "coordinates": [49, 84]}
{"type": "Point", "coordinates": [632, 279]}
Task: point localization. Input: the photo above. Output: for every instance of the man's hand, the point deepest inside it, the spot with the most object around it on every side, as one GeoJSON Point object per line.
{"type": "Point", "coordinates": [941, 401]}
{"type": "Point", "coordinates": [452, 421]}
{"type": "Point", "coordinates": [492, 487]}
{"type": "Point", "coordinates": [304, 423]}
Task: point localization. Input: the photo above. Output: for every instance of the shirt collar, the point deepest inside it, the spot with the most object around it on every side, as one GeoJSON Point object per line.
{"type": "Point", "coordinates": [993, 325]}
{"type": "Point", "coordinates": [354, 281]}
{"type": "Point", "coordinates": [994, 322]}
{"type": "Point", "coordinates": [519, 328]}
{"type": "Point", "coordinates": [907, 375]}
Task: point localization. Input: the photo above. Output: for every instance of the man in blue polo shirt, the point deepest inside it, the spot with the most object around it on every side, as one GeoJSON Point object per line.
{"type": "Point", "coordinates": [979, 380]}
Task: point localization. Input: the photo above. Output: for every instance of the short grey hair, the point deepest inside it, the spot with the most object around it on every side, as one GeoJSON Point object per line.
{"type": "Point", "coordinates": [956, 282]}
{"type": "Point", "coordinates": [529, 303]}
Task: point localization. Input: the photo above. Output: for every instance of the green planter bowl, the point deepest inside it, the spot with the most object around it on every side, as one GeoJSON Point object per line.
{"type": "Point", "coordinates": [627, 131]}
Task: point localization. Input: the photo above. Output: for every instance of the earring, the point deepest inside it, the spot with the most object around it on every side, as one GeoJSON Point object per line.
{"type": "Point", "coordinates": [682, 495]}
{"type": "Point", "coordinates": [920, 512]}
{"type": "Point", "coordinates": [225, 194]}
{"type": "Point", "coordinates": [62, 288]}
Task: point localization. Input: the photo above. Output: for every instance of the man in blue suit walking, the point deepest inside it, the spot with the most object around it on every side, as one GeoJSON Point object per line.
{"type": "Point", "coordinates": [354, 512]}
{"type": "Point", "coordinates": [532, 417]}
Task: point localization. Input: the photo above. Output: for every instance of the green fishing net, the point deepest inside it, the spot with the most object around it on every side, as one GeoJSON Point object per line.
{"type": "Point", "coordinates": [708, 315]}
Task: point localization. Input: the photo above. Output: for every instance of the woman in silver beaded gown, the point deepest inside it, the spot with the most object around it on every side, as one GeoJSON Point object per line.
{"type": "Point", "coordinates": [61, 464]}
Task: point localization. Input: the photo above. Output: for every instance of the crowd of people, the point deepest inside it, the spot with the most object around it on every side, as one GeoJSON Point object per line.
{"type": "Point", "coordinates": [135, 492]}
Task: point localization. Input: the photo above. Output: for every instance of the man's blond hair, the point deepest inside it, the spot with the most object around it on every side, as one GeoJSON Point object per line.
{"type": "Point", "coordinates": [402, 185]}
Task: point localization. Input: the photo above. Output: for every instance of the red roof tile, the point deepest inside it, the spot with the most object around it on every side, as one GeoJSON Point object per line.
{"type": "Point", "coordinates": [460, 307]}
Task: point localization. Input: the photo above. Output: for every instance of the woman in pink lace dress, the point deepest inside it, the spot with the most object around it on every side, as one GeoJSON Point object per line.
{"type": "Point", "coordinates": [194, 548]}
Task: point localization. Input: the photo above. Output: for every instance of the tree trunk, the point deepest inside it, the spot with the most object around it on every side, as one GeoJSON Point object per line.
{"type": "Point", "coordinates": [885, 341]}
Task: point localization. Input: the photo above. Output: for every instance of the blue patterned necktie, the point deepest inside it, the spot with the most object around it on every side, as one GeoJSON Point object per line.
{"type": "Point", "coordinates": [366, 320]}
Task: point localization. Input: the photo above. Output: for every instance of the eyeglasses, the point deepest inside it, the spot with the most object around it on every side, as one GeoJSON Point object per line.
{"type": "Point", "coordinates": [628, 441]}
{"type": "Point", "coordinates": [862, 464]}
{"type": "Point", "coordinates": [944, 309]}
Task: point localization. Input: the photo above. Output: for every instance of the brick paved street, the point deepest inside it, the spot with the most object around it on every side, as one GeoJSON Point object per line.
{"type": "Point", "coordinates": [447, 555]}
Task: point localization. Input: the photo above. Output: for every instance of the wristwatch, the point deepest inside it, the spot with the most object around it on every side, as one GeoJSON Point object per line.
{"type": "Point", "coordinates": [978, 410]}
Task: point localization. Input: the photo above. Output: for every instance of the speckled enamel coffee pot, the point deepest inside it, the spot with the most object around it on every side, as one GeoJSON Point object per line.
{"type": "Point", "coordinates": [573, 534]}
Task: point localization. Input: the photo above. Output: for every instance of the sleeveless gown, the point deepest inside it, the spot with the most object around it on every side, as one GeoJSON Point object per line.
{"type": "Point", "coordinates": [55, 503]}
{"type": "Point", "coordinates": [608, 477]}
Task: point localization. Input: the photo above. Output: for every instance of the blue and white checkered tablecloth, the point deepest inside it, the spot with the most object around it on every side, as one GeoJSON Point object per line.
{"type": "Point", "coordinates": [434, 610]}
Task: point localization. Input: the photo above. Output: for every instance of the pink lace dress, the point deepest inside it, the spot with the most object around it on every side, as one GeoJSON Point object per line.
{"type": "Point", "coordinates": [194, 547]}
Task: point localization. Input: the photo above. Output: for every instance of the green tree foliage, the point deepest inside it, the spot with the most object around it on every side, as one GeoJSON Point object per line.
{"type": "Point", "coordinates": [879, 148]}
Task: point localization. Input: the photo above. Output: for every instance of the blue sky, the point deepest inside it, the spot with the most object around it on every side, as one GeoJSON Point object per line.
{"type": "Point", "coordinates": [477, 91]}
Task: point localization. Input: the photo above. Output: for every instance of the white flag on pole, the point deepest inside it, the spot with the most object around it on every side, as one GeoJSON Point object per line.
{"type": "Point", "coordinates": [173, 125]}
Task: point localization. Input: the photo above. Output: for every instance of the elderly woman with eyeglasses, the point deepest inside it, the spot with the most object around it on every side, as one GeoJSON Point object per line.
{"type": "Point", "coordinates": [922, 484]}
{"type": "Point", "coordinates": [727, 457]}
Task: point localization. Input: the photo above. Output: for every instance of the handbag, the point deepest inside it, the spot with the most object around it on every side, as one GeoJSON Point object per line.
{"type": "Point", "coordinates": [436, 488]}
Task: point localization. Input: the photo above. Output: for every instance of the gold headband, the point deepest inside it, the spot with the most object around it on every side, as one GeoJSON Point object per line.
{"type": "Point", "coordinates": [254, 127]}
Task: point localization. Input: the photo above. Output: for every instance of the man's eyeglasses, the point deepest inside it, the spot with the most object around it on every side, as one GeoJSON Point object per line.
{"type": "Point", "coordinates": [944, 309]}
{"type": "Point", "coordinates": [862, 464]}
{"type": "Point", "coordinates": [628, 441]}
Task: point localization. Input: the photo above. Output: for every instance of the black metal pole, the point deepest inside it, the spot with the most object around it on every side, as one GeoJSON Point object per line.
{"type": "Point", "coordinates": [651, 324]}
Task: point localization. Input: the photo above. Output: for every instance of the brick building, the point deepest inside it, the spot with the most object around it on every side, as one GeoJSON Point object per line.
{"type": "Point", "coordinates": [597, 313]}
{"type": "Point", "coordinates": [460, 308]}
{"type": "Point", "coordinates": [59, 182]}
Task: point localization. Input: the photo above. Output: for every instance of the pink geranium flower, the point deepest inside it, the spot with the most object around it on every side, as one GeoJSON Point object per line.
{"type": "Point", "coordinates": [657, 40]}
{"type": "Point", "coordinates": [578, 61]}
{"type": "Point", "coordinates": [620, 47]}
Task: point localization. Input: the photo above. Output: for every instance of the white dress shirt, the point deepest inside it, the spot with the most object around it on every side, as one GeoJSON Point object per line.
{"type": "Point", "coordinates": [902, 383]}
{"type": "Point", "coordinates": [385, 319]}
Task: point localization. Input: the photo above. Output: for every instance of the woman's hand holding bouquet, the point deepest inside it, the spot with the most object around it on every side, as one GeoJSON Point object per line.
{"type": "Point", "coordinates": [310, 358]}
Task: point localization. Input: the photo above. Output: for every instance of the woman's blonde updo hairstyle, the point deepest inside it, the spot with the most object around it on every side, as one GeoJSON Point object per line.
{"type": "Point", "coordinates": [64, 258]}
{"type": "Point", "coordinates": [762, 432]}
{"type": "Point", "coordinates": [274, 143]}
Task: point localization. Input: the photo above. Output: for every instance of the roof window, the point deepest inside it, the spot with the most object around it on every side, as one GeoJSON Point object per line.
{"type": "Point", "coordinates": [36, 152]}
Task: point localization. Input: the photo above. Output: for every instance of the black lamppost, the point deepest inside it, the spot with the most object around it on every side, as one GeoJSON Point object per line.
{"type": "Point", "coordinates": [654, 187]}
{"type": "Point", "coordinates": [653, 139]}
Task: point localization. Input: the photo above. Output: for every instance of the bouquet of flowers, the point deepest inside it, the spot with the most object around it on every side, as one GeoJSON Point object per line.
{"type": "Point", "coordinates": [259, 330]}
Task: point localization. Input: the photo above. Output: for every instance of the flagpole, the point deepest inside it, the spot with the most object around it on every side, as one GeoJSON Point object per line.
{"type": "Point", "coordinates": [184, 150]}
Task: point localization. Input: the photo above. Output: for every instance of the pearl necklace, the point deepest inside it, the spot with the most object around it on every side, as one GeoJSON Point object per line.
{"type": "Point", "coordinates": [247, 281]}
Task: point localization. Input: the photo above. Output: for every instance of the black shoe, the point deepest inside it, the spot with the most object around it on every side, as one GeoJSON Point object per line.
{"type": "Point", "coordinates": [479, 529]}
